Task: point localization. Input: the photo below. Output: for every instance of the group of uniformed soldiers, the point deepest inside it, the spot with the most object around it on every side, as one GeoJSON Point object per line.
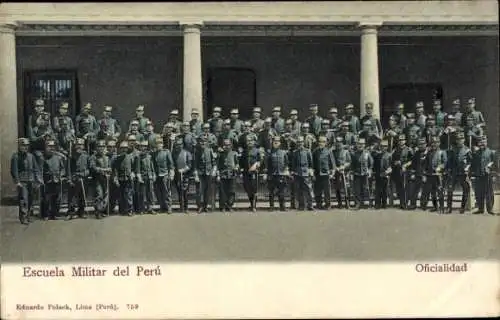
{"type": "Point", "coordinates": [431, 153]}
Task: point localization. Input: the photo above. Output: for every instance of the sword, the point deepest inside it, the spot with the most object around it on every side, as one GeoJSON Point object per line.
{"type": "Point", "coordinates": [346, 192]}
{"type": "Point", "coordinates": [107, 194]}
{"type": "Point", "coordinates": [83, 193]}
{"type": "Point", "coordinates": [441, 193]}
{"type": "Point", "coordinates": [181, 193]}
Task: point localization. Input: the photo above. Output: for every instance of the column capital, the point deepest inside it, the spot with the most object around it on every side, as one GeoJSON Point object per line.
{"type": "Point", "coordinates": [9, 27]}
{"type": "Point", "coordinates": [191, 24]}
{"type": "Point", "coordinates": [369, 26]}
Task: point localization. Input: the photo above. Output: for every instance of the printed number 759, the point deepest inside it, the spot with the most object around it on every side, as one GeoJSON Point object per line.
{"type": "Point", "coordinates": [132, 306]}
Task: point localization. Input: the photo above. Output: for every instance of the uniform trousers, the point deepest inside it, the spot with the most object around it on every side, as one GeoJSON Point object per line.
{"type": "Point", "coordinates": [276, 186]}
{"type": "Point", "coordinates": [25, 198]}
{"type": "Point", "coordinates": [381, 194]}
{"type": "Point", "coordinates": [51, 199]}
{"type": "Point", "coordinates": [453, 181]}
{"type": "Point", "coordinates": [76, 199]}
{"type": "Point", "coordinates": [484, 193]}
{"type": "Point", "coordinates": [360, 189]}
{"type": "Point", "coordinates": [146, 195]}
{"type": "Point", "coordinates": [126, 203]}
{"type": "Point", "coordinates": [163, 192]}
{"type": "Point", "coordinates": [303, 186]}
{"type": "Point", "coordinates": [322, 188]}
{"type": "Point", "coordinates": [250, 185]}
{"type": "Point", "coordinates": [226, 193]}
{"type": "Point", "coordinates": [414, 188]}
{"type": "Point", "coordinates": [204, 191]}
{"type": "Point", "coordinates": [433, 188]}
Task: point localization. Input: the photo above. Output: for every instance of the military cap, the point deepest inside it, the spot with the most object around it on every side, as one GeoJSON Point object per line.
{"type": "Point", "coordinates": [144, 143]}
{"type": "Point", "coordinates": [333, 110]}
{"type": "Point", "coordinates": [419, 104]}
{"type": "Point", "coordinates": [460, 135]}
{"type": "Point", "coordinates": [410, 115]}
{"type": "Point", "coordinates": [51, 143]}
{"type": "Point", "coordinates": [257, 109]}
{"type": "Point", "coordinates": [87, 106]}
{"type": "Point", "coordinates": [23, 141]}
{"type": "Point", "coordinates": [247, 124]}
{"type": "Point", "coordinates": [472, 100]}
{"type": "Point", "coordinates": [149, 122]}
{"type": "Point", "coordinates": [393, 117]}
{"type": "Point", "coordinates": [101, 143]}
{"type": "Point", "coordinates": [39, 103]}
{"type": "Point", "coordinates": [169, 125]}
{"type": "Point", "coordinates": [124, 144]}
{"type": "Point", "coordinates": [139, 108]}
{"type": "Point", "coordinates": [276, 138]}
{"type": "Point", "coordinates": [132, 137]}
{"type": "Point", "coordinates": [185, 124]}
{"type": "Point", "coordinates": [159, 139]}
{"type": "Point", "coordinates": [339, 139]}
{"type": "Point", "coordinates": [367, 123]}
{"type": "Point", "coordinates": [46, 116]}
{"type": "Point", "coordinates": [422, 141]}
{"type": "Point", "coordinates": [322, 139]}
{"type": "Point", "coordinates": [300, 139]}
{"type": "Point", "coordinates": [174, 112]}
{"type": "Point", "coordinates": [64, 105]}
{"type": "Point", "coordinates": [362, 141]}
{"type": "Point", "coordinates": [195, 111]}
{"type": "Point", "coordinates": [268, 120]}
{"type": "Point", "coordinates": [288, 121]}
{"type": "Point", "coordinates": [456, 102]}
{"type": "Point", "coordinates": [80, 141]}
{"type": "Point", "coordinates": [86, 120]}
{"type": "Point", "coordinates": [431, 117]}
{"type": "Point", "coordinates": [401, 137]}
{"type": "Point", "coordinates": [401, 105]}
{"type": "Point", "coordinates": [108, 108]}
{"type": "Point", "coordinates": [450, 117]}
{"type": "Point", "coordinates": [227, 141]}
{"type": "Point", "coordinates": [384, 142]}
{"type": "Point", "coordinates": [234, 111]}
{"type": "Point", "coordinates": [435, 140]}
{"type": "Point", "coordinates": [250, 137]}
{"type": "Point", "coordinates": [313, 106]}
{"type": "Point", "coordinates": [227, 121]}
{"type": "Point", "coordinates": [436, 102]}
{"type": "Point", "coordinates": [134, 122]}
{"type": "Point", "coordinates": [206, 125]}
{"type": "Point", "coordinates": [349, 106]}
{"type": "Point", "coordinates": [345, 124]}
{"type": "Point", "coordinates": [217, 109]}
{"type": "Point", "coordinates": [277, 109]}
{"type": "Point", "coordinates": [112, 143]}
{"type": "Point", "coordinates": [325, 121]}
{"type": "Point", "coordinates": [305, 125]}
{"type": "Point", "coordinates": [369, 105]}
{"type": "Point", "coordinates": [294, 112]}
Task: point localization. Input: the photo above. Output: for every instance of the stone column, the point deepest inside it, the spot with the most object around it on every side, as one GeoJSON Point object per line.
{"type": "Point", "coordinates": [192, 82]}
{"type": "Point", "coordinates": [369, 68]}
{"type": "Point", "coordinates": [8, 106]}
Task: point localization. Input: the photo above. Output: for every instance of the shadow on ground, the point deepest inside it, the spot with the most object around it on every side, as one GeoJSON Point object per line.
{"type": "Point", "coordinates": [337, 235]}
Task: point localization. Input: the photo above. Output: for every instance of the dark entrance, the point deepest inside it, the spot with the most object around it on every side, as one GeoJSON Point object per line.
{"type": "Point", "coordinates": [409, 94]}
{"type": "Point", "coordinates": [231, 88]}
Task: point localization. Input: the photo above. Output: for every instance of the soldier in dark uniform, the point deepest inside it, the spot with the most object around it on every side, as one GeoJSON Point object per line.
{"type": "Point", "coordinates": [392, 133]}
{"type": "Point", "coordinates": [335, 121]}
{"type": "Point", "coordinates": [39, 135]}
{"type": "Point", "coordinates": [109, 128]}
{"type": "Point", "coordinates": [327, 132]}
{"type": "Point", "coordinates": [63, 116]}
{"type": "Point", "coordinates": [168, 136]}
{"type": "Point", "coordinates": [309, 138]}
{"type": "Point", "coordinates": [78, 176]}
{"type": "Point", "coordinates": [183, 160]}
{"type": "Point", "coordinates": [114, 191]}
{"type": "Point", "coordinates": [34, 118]}
{"type": "Point", "coordinates": [459, 162]}
{"type": "Point", "coordinates": [216, 122]}
{"type": "Point", "coordinates": [382, 160]}
{"type": "Point", "coordinates": [256, 122]}
{"type": "Point", "coordinates": [150, 135]}
{"type": "Point", "coordinates": [416, 173]}
{"type": "Point", "coordinates": [123, 174]}
{"type": "Point", "coordinates": [302, 172]}
{"type": "Point", "coordinates": [399, 117]}
{"type": "Point", "coordinates": [412, 131]}
{"type": "Point", "coordinates": [26, 174]}
{"type": "Point", "coordinates": [473, 133]}
{"type": "Point", "coordinates": [434, 168]}
{"type": "Point", "coordinates": [449, 133]}
{"type": "Point", "coordinates": [146, 176]}
{"type": "Point", "coordinates": [174, 119]}
{"type": "Point", "coordinates": [86, 127]}
{"type": "Point", "coordinates": [250, 164]}
{"type": "Point", "coordinates": [314, 120]}
{"type": "Point", "coordinates": [100, 167]}
{"type": "Point", "coordinates": [347, 136]}
{"type": "Point", "coordinates": [401, 160]}
{"type": "Point", "coordinates": [134, 131]}
{"type": "Point", "coordinates": [210, 137]}
{"type": "Point", "coordinates": [54, 171]}
{"type": "Point", "coordinates": [245, 135]}
{"type": "Point", "coordinates": [140, 118]}
{"type": "Point", "coordinates": [477, 116]}
{"type": "Point", "coordinates": [456, 111]}
{"type": "Point", "coordinates": [165, 171]}
{"type": "Point", "coordinates": [133, 148]}
{"type": "Point", "coordinates": [296, 124]}
{"type": "Point", "coordinates": [431, 130]}
{"type": "Point", "coordinates": [277, 122]}
{"type": "Point", "coordinates": [205, 171]}
{"type": "Point", "coordinates": [439, 115]}
{"type": "Point", "coordinates": [236, 124]}
{"type": "Point", "coordinates": [288, 138]}
{"type": "Point", "coordinates": [483, 163]}
{"type": "Point", "coordinates": [352, 119]}
{"type": "Point", "coordinates": [227, 134]}
{"type": "Point", "coordinates": [277, 166]}
{"type": "Point", "coordinates": [420, 117]}
{"type": "Point", "coordinates": [342, 157]}
{"type": "Point", "coordinates": [362, 167]}
{"type": "Point", "coordinates": [196, 124]}
{"type": "Point", "coordinates": [324, 167]}
{"type": "Point", "coordinates": [376, 125]}
{"type": "Point", "coordinates": [228, 167]}
{"type": "Point", "coordinates": [369, 132]}
{"type": "Point", "coordinates": [266, 136]}
{"type": "Point", "coordinates": [65, 137]}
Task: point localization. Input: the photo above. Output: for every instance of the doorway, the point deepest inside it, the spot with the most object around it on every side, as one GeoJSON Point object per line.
{"type": "Point", "coordinates": [409, 94]}
{"type": "Point", "coordinates": [229, 88]}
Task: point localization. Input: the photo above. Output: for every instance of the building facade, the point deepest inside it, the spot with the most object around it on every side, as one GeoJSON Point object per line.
{"type": "Point", "coordinates": [198, 55]}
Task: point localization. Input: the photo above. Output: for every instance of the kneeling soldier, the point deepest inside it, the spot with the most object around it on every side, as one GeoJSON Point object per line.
{"type": "Point", "coordinates": [324, 166]}
{"type": "Point", "coordinates": [123, 178]}
{"type": "Point", "coordinates": [53, 171]}
{"type": "Point", "coordinates": [277, 171]}
{"type": "Point", "coordinates": [164, 168]}
{"type": "Point", "coordinates": [25, 172]}
{"type": "Point", "coordinates": [227, 169]}
{"type": "Point", "coordinates": [101, 172]}
{"type": "Point", "coordinates": [145, 177]}
{"type": "Point", "coordinates": [302, 172]}
{"type": "Point", "coordinates": [78, 176]}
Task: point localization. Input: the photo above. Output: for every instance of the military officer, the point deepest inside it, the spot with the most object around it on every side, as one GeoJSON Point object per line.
{"type": "Point", "coordinates": [39, 135]}
{"type": "Point", "coordinates": [236, 124]}
{"type": "Point", "coordinates": [431, 130]}
{"type": "Point", "coordinates": [216, 122]}
{"type": "Point", "coordinates": [123, 176]}
{"type": "Point", "coordinates": [348, 137]}
{"type": "Point", "coordinates": [369, 132]}
{"type": "Point", "coordinates": [165, 171]}
{"type": "Point", "coordinates": [26, 175]}
{"type": "Point", "coordinates": [257, 122]}
{"type": "Point", "coordinates": [399, 117]}
{"type": "Point", "coordinates": [449, 133]}
{"type": "Point", "coordinates": [65, 137]}
{"type": "Point", "coordinates": [324, 166]}
{"type": "Point", "coordinates": [63, 115]}
{"type": "Point", "coordinates": [227, 134]}
{"type": "Point", "coordinates": [187, 137]}
{"type": "Point", "coordinates": [477, 116]}
{"type": "Point", "coordinates": [459, 163]}
{"type": "Point", "coordinates": [439, 115]}
{"type": "Point", "coordinates": [174, 119]}
{"type": "Point", "coordinates": [266, 136]}
{"type": "Point", "coordinates": [434, 168]}
{"type": "Point", "coordinates": [314, 120]}
{"type": "Point", "coordinates": [393, 132]}
{"type": "Point", "coordinates": [352, 119]}
{"type": "Point", "coordinates": [114, 191]}
{"type": "Point", "coordinates": [168, 136]}
{"type": "Point", "coordinates": [245, 135]}
{"type": "Point", "coordinates": [146, 176]}
{"type": "Point", "coordinates": [327, 132]}
{"type": "Point", "coordinates": [294, 117]}
{"type": "Point", "coordinates": [210, 137]}
{"type": "Point", "coordinates": [382, 168]}
{"type": "Point", "coordinates": [35, 116]}
{"type": "Point", "coordinates": [309, 138]}
{"type": "Point", "coordinates": [183, 160]}
{"type": "Point", "coordinates": [196, 124]}
{"type": "Point", "coordinates": [483, 163]}
{"type": "Point", "coordinates": [342, 157]}
{"type": "Point", "coordinates": [456, 111]}
{"type": "Point", "coordinates": [205, 171]}
{"type": "Point", "coordinates": [134, 131]}
{"type": "Point", "coordinates": [277, 122]}
{"type": "Point", "coordinates": [302, 172]}
{"type": "Point", "coordinates": [335, 121]}
{"type": "Point", "coordinates": [420, 117]}
{"type": "Point", "coordinates": [53, 171]}
{"type": "Point", "coordinates": [473, 133]}
{"type": "Point", "coordinates": [277, 166]}
{"type": "Point", "coordinates": [375, 123]}
{"type": "Point", "coordinates": [412, 131]}
{"type": "Point", "coordinates": [86, 127]}
{"type": "Point", "coordinates": [78, 176]}
{"type": "Point", "coordinates": [227, 169]}
{"type": "Point", "coordinates": [109, 128]}
{"type": "Point", "coordinates": [288, 138]}
{"type": "Point", "coordinates": [250, 163]}
{"type": "Point", "coordinates": [100, 167]}
{"type": "Point", "coordinates": [416, 172]}
{"type": "Point", "coordinates": [150, 135]}
{"type": "Point", "coordinates": [140, 118]}
{"type": "Point", "coordinates": [401, 160]}
{"type": "Point", "coordinates": [362, 168]}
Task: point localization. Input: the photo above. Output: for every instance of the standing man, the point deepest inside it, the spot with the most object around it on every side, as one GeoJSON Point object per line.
{"type": "Point", "coordinates": [165, 170]}
{"type": "Point", "coordinates": [78, 176]}
{"type": "Point", "coordinates": [314, 120]}
{"type": "Point", "coordinates": [416, 173]}
{"type": "Point", "coordinates": [146, 176]}
{"type": "Point", "coordinates": [302, 173]}
{"type": "Point", "coordinates": [277, 122]}
{"type": "Point", "coordinates": [195, 123]}
{"type": "Point", "coordinates": [399, 116]}
{"type": "Point", "coordinates": [459, 165]}
{"type": "Point", "coordinates": [382, 160]}
{"type": "Point", "coordinates": [342, 157]}
{"type": "Point", "coordinates": [227, 168]}
{"type": "Point", "coordinates": [101, 172]}
{"type": "Point", "coordinates": [401, 160]}
{"type": "Point", "coordinates": [86, 127]}
{"type": "Point", "coordinates": [183, 160]}
{"type": "Point", "coordinates": [296, 124]}
{"type": "Point", "coordinates": [456, 111]}
{"type": "Point", "coordinates": [477, 116]}
{"type": "Point", "coordinates": [134, 131]}
{"type": "Point", "coordinates": [324, 166]}
{"type": "Point", "coordinates": [123, 173]}
{"type": "Point", "coordinates": [277, 171]}
{"type": "Point", "coordinates": [420, 117]}
{"type": "Point", "coordinates": [140, 118]}
{"type": "Point", "coordinates": [348, 137]}
{"type": "Point", "coordinates": [39, 135]}
{"type": "Point", "coordinates": [26, 175]}
{"type": "Point", "coordinates": [38, 112]}
{"type": "Point", "coordinates": [63, 116]}
{"type": "Point", "coordinates": [109, 128]}
{"type": "Point", "coordinates": [412, 131]}
{"type": "Point", "coordinates": [434, 168]}
{"type": "Point", "coordinates": [362, 167]}
{"type": "Point", "coordinates": [335, 121]}
{"type": "Point", "coordinates": [114, 194]}
{"type": "Point", "coordinates": [250, 164]}
{"type": "Point", "coordinates": [352, 119]}
{"type": "Point", "coordinates": [205, 171]}
{"type": "Point", "coordinates": [483, 162]}
{"type": "Point", "coordinates": [257, 122]}
{"type": "Point", "coordinates": [439, 115]}
{"type": "Point", "coordinates": [216, 121]}
{"type": "Point", "coordinates": [236, 124]}
{"type": "Point", "coordinates": [187, 137]}
{"type": "Point", "coordinates": [54, 171]}
{"type": "Point", "coordinates": [150, 135]}
{"type": "Point", "coordinates": [65, 137]}
{"type": "Point", "coordinates": [266, 136]}
{"type": "Point", "coordinates": [174, 119]}
{"type": "Point", "coordinates": [375, 124]}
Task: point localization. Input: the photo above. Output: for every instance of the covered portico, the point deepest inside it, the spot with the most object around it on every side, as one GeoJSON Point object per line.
{"type": "Point", "coordinates": [194, 21]}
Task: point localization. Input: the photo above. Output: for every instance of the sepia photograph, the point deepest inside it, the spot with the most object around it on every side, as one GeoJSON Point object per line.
{"type": "Point", "coordinates": [326, 132]}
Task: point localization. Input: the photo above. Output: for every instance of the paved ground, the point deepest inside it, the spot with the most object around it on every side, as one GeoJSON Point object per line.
{"type": "Point", "coordinates": [337, 235]}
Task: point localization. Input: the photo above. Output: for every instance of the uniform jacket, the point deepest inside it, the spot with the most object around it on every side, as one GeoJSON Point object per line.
{"type": "Point", "coordinates": [323, 161]}
{"type": "Point", "coordinates": [24, 168]}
